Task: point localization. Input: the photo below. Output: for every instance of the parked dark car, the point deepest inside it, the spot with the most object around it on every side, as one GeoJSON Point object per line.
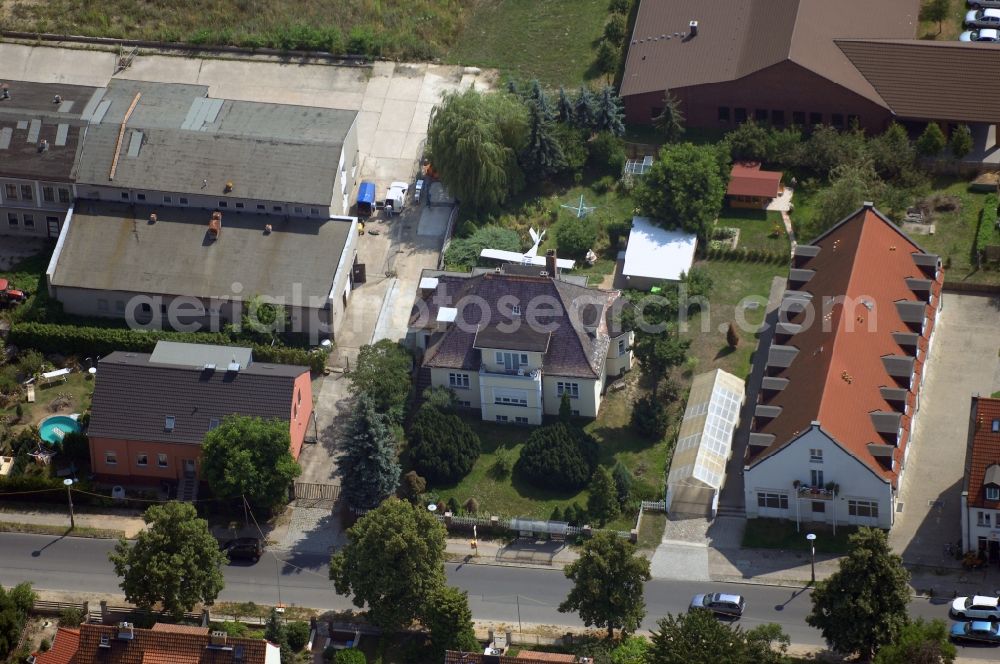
{"type": "Point", "coordinates": [980, 632]}
{"type": "Point", "coordinates": [244, 548]}
{"type": "Point", "coordinates": [721, 604]}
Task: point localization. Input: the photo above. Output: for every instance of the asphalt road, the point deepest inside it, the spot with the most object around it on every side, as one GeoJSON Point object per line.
{"type": "Point", "coordinates": [507, 594]}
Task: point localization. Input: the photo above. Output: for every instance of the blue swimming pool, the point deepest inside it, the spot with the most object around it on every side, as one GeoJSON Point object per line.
{"type": "Point", "coordinates": [52, 429]}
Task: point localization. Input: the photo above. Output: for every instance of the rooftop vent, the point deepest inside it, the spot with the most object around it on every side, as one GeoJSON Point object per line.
{"type": "Point", "coordinates": [152, 217]}
{"type": "Point", "coordinates": [4, 91]}
{"type": "Point", "coordinates": [229, 187]}
{"type": "Point", "coordinates": [218, 638]}
{"type": "Point", "coordinates": [693, 25]}
{"type": "Point", "coordinates": [267, 229]}
{"type": "Point", "coordinates": [57, 99]}
{"type": "Point", "coordinates": [43, 145]}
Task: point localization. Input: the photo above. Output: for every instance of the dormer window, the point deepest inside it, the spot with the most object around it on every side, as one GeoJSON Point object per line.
{"type": "Point", "coordinates": [992, 493]}
{"type": "Point", "coordinates": [168, 423]}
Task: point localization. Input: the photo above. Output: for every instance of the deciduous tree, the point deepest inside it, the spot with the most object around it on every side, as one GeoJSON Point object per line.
{"type": "Point", "coordinates": [175, 562]}
{"type": "Point", "coordinates": [850, 185]}
{"type": "Point", "coordinates": [15, 604]}
{"type": "Point", "coordinates": [393, 561]}
{"type": "Point", "coordinates": [919, 642]}
{"type": "Point", "coordinates": [606, 59]}
{"type": "Point", "coordinates": [608, 583]}
{"type": "Point", "coordinates": [473, 142]}
{"type": "Point", "coordinates": [670, 121]}
{"type": "Point", "coordinates": [659, 353]}
{"type": "Point", "coordinates": [697, 636]}
{"type": "Point", "coordinates": [602, 501]}
{"type": "Point", "coordinates": [935, 11]}
{"type": "Point", "coordinates": [463, 253]}
{"type": "Point", "coordinates": [862, 606]}
{"type": "Point", "coordinates": [382, 371]}
{"type": "Point", "coordinates": [369, 466]}
{"type": "Point", "coordinates": [249, 457]}
{"type": "Point", "coordinates": [448, 618]}
{"type": "Point", "coordinates": [684, 188]}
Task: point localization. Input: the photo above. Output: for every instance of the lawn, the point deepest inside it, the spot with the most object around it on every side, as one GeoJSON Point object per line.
{"type": "Point", "coordinates": [29, 275]}
{"type": "Point", "coordinates": [78, 388]}
{"type": "Point", "coordinates": [955, 233]}
{"type": "Point", "coordinates": [408, 29]}
{"type": "Point", "coordinates": [782, 534]}
{"type": "Point", "coordinates": [551, 40]}
{"type": "Point", "coordinates": [949, 29]}
{"type": "Point", "coordinates": [759, 229]}
{"type": "Point", "coordinates": [509, 496]}
{"type": "Point", "coordinates": [651, 529]}
{"type": "Point", "coordinates": [733, 282]}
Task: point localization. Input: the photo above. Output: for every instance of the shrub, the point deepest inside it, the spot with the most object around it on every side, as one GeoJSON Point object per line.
{"type": "Point", "coordinates": [574, 147]}
{"type": "Point", "coordinates": [76, 447]}
{"type": "Point", "coordinates": [71, 617]}
{"type": "Point", "coordinates": [30, 363]}
{"type": "Point", "coordinates": [503, 464]}
{"type": "Point", "coordinates": [619, 6]}
{"type": "Point", "coordinates": [411, 485]}
{"type": "Point", "coordinates": [650, 417]}
{"type": "Point", "coordinates": [961, 141]}
{"type": "Point", "coordinates": [44, 645]}
{"type": "Point", "coordinates": [614, 29]}
{"type": "Point", "coordinates": [363, 41]}
{"type": "Point", "coordinates": [463, 253]}
{"type": "Point", "coordinates": [931, 141]}
{"type": "Point", "coordinates": [349, 656]}
{"type": "Point", "coordinates": [297, 635]}
{"type": "Point", "coordinates": [453, 505]}
{"type": "Point", "coordinates": [575, 237]}
{"type": "Point", "coordinates": [606, 154]}
{"type": "Point", "coordinates": [558, 456]}
{"type": "Point", "coordinates": [442, 447]}
{"type": "Point", "coordinates": [472, 506]}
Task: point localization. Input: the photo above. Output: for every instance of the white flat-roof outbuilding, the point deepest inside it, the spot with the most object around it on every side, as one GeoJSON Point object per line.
{"type": "Point", "coordinates": [657, 254]}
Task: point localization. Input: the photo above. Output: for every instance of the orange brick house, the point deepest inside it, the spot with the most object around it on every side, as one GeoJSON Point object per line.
{"type": "Point", "coordinates": [150, 412]}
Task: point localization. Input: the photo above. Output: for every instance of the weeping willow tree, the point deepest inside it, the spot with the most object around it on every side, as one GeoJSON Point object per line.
{"type": "Point", "coordinates": [473, 142]}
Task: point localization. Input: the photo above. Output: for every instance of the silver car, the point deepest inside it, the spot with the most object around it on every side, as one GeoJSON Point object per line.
{"type": "Point", "coordinates": [984, 35]}
{"type": "Point", "coordinates": [721, 604]}
{"type": "Point", "coordinates": [977, 607]}
{"type": "Point", "coordinates": [984, 4]}
{"type": "Point", "coordinates": [983, 18]}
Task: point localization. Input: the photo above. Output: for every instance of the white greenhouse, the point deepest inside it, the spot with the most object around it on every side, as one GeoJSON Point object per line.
{"type": "Point", "coordinates": [704, 444]}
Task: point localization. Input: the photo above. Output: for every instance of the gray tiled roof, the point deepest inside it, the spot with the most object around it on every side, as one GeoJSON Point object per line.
{"type": "Point", "coordinates": [572, 350]}
{"type": "Point", "coordinates": [276, 152]}
{"type": "Point", "coordinates": [133, 397]}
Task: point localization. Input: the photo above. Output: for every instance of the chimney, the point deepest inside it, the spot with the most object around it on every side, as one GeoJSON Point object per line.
{"type": "Point", "coordinates": [550, 263]}
{"type": "Point", "coordinates": [229, 186]}
{"type": "Point", "coordinates": [215, 225]}
{"type": "Point", "coordinates": [693, 26]}
{"type": "Point", "coordinates": [218, 639]}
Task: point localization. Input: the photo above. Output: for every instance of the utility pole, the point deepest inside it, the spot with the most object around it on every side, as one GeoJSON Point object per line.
{"type": "Point", "coordinates": [69, 497]}
{"type": "Point", "coordinates": [812, 557]}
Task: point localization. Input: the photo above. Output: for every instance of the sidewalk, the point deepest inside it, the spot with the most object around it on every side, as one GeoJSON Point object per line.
{"type": "Point", "coordinates": [545, 555]}
{"type": "Point", "coordinates": [129, 522]}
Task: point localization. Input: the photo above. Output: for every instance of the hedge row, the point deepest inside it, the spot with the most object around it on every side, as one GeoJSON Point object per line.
{"type": "Point", "coordinates": [747, 255]}
{"type": "Point", "coordinates": [92, 341]}
{"type": "Point", "coordinates": [987, 234]}
{"type": "Point", "coordinates": [22, 488]}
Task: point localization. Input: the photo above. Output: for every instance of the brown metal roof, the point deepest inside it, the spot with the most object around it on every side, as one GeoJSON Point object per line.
{"type": "Point", "coordinates": [739, 37]}
{"type": "Point", "coordinates": [931, 79]}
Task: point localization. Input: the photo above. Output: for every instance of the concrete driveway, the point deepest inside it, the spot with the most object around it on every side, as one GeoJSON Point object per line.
{"type": "Point", "coordinates": [393, 100]}
{"type": "Point", "coordinates": [963, 361]}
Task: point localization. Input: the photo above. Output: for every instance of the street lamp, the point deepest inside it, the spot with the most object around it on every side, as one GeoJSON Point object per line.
{"type": "Point", "coordinates": [812, 557]}
{"type": "Point", "coordinates": [68, 483]}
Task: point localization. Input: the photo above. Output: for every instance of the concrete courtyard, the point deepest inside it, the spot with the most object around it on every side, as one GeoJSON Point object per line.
{"type": "Point", "coordinates": [963, 362]}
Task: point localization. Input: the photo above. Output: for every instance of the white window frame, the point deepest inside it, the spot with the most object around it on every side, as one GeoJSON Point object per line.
{"type": "Point", "coordinates": [816, 475]}
{"type": "Point", "coordinates": [110, 458]}
{"type": "Point", "coordinates": [458, 380]}
{"type": "Point", "coordinates": [815, 455]}
{"type": "Point", "coordinates": [855, 507]}
{"type": "Point", "coordinates": [142, 459]}
{"type": "Point", "coordinates": [13, 221]}
{"type": "Point", "coordinates": [520, 420]}
{"type": "Point", "coordinates": [161, 460]}
{"type": "Point", "coordinates": [502, 419]}
{"type": "Point", "coordinates": [65, 195]}
{"type": "Point", "coordinates": [28, 220]}
{"type": "Point", "coordinates": [781, 500]}
{"type": "Point", "coordinates": [991, 493]}
{"type": "Point", "coordinates": [10, 191]}
{"type": "Point", "coordinates": [983, 519]}
{"type": "Point", "coordinates": [622, 346]}
{"type": "Point", "coordinates": [572, 388]}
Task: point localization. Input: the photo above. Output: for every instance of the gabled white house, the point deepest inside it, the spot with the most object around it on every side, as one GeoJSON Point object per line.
{"type": "Point", "coordinates": [981, 489]}
{"type": "Point", "coordinates": [841, 387]}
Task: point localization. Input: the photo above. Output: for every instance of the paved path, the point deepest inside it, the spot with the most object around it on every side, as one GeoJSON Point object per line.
{"type": "Point", "coordinates": [963, 361]}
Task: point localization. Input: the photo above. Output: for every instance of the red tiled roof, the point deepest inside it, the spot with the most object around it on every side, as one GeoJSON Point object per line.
{"type": "Point", "coordinates": [524, 657]}
{"type": "Point", "coordinates": [172, 644]}
{"type": "Point", "coordinates": [985, 448]}
{"type": "Point", "coordinates": [837, 374]}
{"type": "Point", "coordinates": [538, 656]}
{"type": "Point", "coordinates": [64, 646]}
{"type": "Point", "coordinates": [746, 179]}
{"type": "Point", "coordinates": [180, 629]}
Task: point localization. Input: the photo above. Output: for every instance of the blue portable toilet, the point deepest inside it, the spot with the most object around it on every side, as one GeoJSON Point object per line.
{"type": "Point", "coordinates": [366, 199]}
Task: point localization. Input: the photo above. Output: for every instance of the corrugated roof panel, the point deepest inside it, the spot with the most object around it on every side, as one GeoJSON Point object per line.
{"type": "Point", "coordinates": [34, 129]}
{"type": "Point", "coordinates": [5, 135]}
{"type": "Point", "coordinates": [134, 143]}
{"type": "Point", "coordinates": [191, 113]}
{"type": "Point", "coordinates": [95, 99]}
{"type": "Point", "coordinates": [212, 112]}
{"type": "Point", "coordinates": [62, 131]}
{"type": "Point", "coordinates": [22, 124]}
